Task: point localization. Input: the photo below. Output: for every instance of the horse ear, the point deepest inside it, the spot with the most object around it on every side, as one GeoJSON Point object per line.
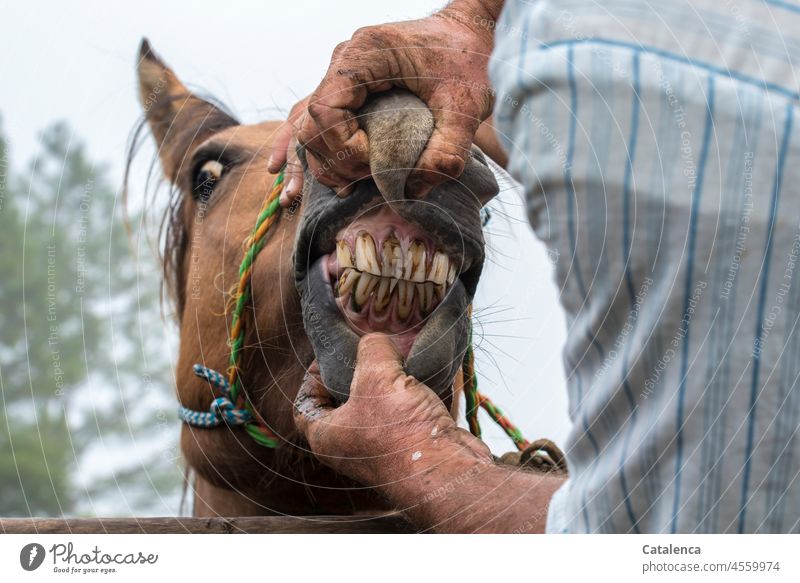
{"type": "Point", "coordinates": [178, 119]}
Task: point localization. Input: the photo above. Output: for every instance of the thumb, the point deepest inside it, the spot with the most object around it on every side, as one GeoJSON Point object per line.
{"type": "Point", "coordinates": [313, 402]}
{"type": "Point", "coordinates": [447, 150]}
{"type": "Point", "coordinates": [378, 364]}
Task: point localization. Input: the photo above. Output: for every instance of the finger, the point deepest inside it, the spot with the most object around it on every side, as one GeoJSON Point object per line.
{"type": "Point", "coordinates": [308, 135]}
{"type": "Point", "coordinates": [327, 174]}
{"type": "Point", "coordinates": [447, 150]}
{"type": "Point", "coordinates": [358, 67]}
{"type": "Point", "coordinates": [334, 169]}
{"type": "Point", "coordinates": [279, 147]}
{"type": "Point", "coordinates": [336, 125]}
{"type": "Point", "coordinates": [293, 176]}
{"type": "Point", "coordinates": [313, 402]}
{"type": "Point", "coordinates": [291, 191]}
{"type": "Point", "coordinates": [320, 170]}
{"type": "Point", "coordinates": [378, 365]}
{"type": "Point", "coordinates": [282, 145]}
{"type": "Point", "coordinates": [333, 102]}
{"type": "Point", "coordinates": [341, 135]}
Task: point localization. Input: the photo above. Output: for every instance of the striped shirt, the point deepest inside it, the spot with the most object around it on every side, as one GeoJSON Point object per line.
{"type": "Point", "coordinates": [658, 145]}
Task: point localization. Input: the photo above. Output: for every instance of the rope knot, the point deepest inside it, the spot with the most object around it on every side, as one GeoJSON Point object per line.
{"type": "Point", "coordinates": [222, 409]}
{"type": "Point", "coordinates": [220, 405]}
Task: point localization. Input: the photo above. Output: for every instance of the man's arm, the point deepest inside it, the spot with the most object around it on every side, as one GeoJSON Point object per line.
{"type": "Point", "coordinates": [395, 435]}
{"type": "Point", "coordinates": [454, 491]}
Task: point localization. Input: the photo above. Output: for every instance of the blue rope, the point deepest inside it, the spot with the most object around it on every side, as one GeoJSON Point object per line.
{"type": "Point", "coordinates": [221, 410]}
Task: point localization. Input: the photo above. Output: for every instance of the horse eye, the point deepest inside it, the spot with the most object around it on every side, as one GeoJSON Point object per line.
{"type": "Point", "coordinates": [205, 180]}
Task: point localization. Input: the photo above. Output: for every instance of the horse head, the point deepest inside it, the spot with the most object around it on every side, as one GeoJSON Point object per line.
{"type": "Point", "coordinates": [330, 270]}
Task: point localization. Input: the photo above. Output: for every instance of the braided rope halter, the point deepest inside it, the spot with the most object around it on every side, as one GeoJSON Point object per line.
{"type": "Point", "coordinates": [232, 407]}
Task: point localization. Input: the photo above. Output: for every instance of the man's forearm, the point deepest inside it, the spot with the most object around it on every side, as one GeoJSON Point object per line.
{"type": "Point", "coordinates": [487, 9]}
{"type": "Point", "coordinates": [479, 15]}
{"type": "Point", "coordinates": [452, 488]}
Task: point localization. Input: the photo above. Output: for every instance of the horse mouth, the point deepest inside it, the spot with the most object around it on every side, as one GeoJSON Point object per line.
{"type": "Point", "coordinates": [388, 276]}
{"type": "Point", "coordinates": [361, 266]}
{"type": "Point", "coordinates": [407, 268]}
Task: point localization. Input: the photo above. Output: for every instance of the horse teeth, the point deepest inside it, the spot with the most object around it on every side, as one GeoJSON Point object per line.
{"type": "Point", "coordinates": [392, 255]}
{"type": "Point", "coordinates": [393, 285]}
{"type": "Point", "coordinates": [451, 274]}
{"type": "Point", "coordinates": [425, 294]}
{"type": "Point", "coordinates": [405, 299]}
{"type": "Point", "coordinates": [383, 295]}
{"type": "Point", "coordinates": [366, 283]}
{"type": "Point", "coordinates": [343, 256]}
{"type": "Point", "coordinates": [417, 254]}
{"type": "Point", "coordinates": [441, 291]}
{"type": "Point", "coordinates": [439, 267]}
{"type": "Point", "coordinates": [347, 281]}
{"type": "Point", "coordinates": [366, 257]}
{"type": "Point", "coordinates": [399, 263]}
{"type": "Point", "coordinates": [408, 265]}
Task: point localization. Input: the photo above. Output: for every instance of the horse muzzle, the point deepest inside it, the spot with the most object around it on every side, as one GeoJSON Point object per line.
{"type": "Point", "coordinates": [375, 261]}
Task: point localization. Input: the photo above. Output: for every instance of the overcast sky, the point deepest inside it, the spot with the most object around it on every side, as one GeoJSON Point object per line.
{"type": "Point", "coordinates": [75, 61]}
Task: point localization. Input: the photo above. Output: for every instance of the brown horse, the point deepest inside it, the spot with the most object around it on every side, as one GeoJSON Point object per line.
{"type": "Point", "coordinates": [331, 269]}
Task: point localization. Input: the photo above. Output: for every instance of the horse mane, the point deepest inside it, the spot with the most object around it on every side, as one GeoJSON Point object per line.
{"type": "Point", "coordinates": [171, 237]}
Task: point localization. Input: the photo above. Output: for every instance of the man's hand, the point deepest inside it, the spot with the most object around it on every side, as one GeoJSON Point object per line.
{"type": "Point", "coordinates": [395, 435]}
{"type": "Point", "coordinates": [284, 151]}
{"type": "Point", "coordinates": [389, 419]}
{"type": "Point", "coordinates": [443, 59]}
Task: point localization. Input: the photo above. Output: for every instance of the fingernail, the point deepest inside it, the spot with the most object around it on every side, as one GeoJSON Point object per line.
{"type": "Point", "coordinates": [269, 163]}
{"type": "Point", "coordinates": [293, 186]}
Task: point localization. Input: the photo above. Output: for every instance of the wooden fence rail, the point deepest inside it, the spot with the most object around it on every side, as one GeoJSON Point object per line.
{"type": "Point", "coordinates": [235, 525]}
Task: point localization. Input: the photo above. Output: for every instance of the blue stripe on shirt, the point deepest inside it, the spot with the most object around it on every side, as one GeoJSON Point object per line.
{"type": "Point", "coordinates": [626, 253]}
{"type": "Point", "coordinates": [675, 57]}
{"type": "Point", "coordinates": [687, 294]}
{"type": "Point", "coordinates": [568, 183]}
{"type": "Point", "coordinates": [751, 422]}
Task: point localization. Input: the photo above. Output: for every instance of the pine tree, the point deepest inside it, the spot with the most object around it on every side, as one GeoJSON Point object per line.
{"type": "Point", "coordinates": [83, 382]}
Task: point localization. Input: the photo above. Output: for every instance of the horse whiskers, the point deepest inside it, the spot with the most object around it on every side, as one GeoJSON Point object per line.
{"type": "Point", "coordinates": [275, 342]}
{"type": "Point", "coordinates": [276, 379]}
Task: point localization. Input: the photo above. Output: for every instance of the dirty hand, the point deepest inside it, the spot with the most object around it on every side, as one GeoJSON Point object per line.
{"type": "Point", "coordinates": [443, 59]}
{"type": "Point", "coordinates": [284, 152]}
{"type": "Point", "coordinates": [375, 436]}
